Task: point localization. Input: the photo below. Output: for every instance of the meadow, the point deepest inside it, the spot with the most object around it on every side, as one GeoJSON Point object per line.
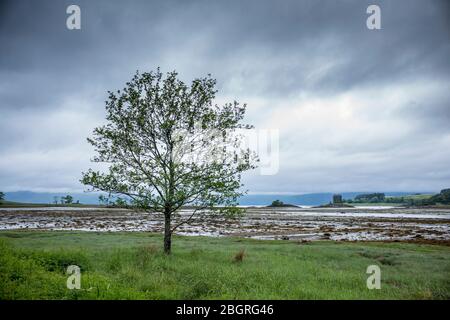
{"type": "Point", "coordinates": [131, 265]}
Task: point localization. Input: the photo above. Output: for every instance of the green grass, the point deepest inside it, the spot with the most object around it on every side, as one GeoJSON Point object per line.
{"type": "Point", "coordinates": [132, 266]}
{"type": "Point", "coordinates": [414, 196]}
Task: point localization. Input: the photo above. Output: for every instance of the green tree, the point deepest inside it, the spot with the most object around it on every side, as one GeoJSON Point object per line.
{"type": "Point", "coordinates": [2, 196]}
{"type": "Point", "coordinates": [167, 145]}
{"type": "Point", "coordinates": [277, 203]}
{"type": "Point", "coordinates": [67, 199]}
{"type": "Point", "coordinates": [443, 197]}
{"type": "Point", "coordinates": [120, 203]}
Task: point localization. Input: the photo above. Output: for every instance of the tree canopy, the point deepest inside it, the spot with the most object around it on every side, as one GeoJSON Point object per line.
{"type": "Point", "coordinates": [167, 145]}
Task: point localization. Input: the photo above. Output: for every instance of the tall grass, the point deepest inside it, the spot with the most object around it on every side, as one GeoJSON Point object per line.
{"type": "Point", "coordinates": [133, 266]}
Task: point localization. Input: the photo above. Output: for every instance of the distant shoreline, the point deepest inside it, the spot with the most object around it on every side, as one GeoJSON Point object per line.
{"type": "Point", "coordinates": [12, 205]}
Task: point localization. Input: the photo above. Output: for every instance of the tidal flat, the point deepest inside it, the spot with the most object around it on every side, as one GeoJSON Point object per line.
{"type": "Point", "coordinates": [304, 224]}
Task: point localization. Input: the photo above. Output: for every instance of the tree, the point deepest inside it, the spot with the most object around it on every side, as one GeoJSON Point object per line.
{"type": "Point", "coordinates": [167, 146]}
{"type": "Point", "coordinates": [2, 196]}
{"type": "Point", "coordinates": [277, 203]}
{"type": "Point", "coordinates": [67, 199]}
{"type": "Point", "coordinates": [370, 197]}
{"type": "Point", "coordinates": [121, 203]}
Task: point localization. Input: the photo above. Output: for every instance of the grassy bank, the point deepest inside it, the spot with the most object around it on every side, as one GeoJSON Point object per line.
{"type": "Point", "coordinates": [132, 266]}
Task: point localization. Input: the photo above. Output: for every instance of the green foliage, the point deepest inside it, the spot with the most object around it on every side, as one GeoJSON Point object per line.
{"type": "Point", "coordinates": [67, 199]}
{"type": "Point", "coordinates": [277, 203]}
{"type": "Point", "coordinates": [120, 202]}
{"type": "Point", "coordinates": [160, 138]}
{"type": "Point", "coordinates": [57, 260]}
{"type": "Point", "coordinates": [25, 278]}
{"type": "Point", "coordinates": [370, 198]}
{"type": "Point", "coordinates": [2, 196]}
{"type": "Point", "coordinates": [130, 266]}
{"type": "Point", "coordinates": [168, 146]}
{"type": "Point", "coordinates": [229, 212]}
{"type": "Point", "coordinates": [442, 198]}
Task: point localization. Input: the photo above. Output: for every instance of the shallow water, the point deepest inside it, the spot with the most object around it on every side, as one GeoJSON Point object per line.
{"type": "Point", "coordinates": [259, 223]}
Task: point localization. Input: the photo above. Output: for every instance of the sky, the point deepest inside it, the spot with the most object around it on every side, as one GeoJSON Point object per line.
{"type": "Point", "coordinates": [355, 109]}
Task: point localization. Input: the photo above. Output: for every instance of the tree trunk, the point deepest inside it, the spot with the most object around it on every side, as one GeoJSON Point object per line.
{"type": "Point", "coordinates": [167, 234]}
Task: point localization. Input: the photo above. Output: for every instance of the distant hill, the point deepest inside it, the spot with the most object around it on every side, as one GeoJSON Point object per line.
{"type": "Point", "coordinates": [47, 197]}
{"type": "Point", "coordinates": [309, 199]}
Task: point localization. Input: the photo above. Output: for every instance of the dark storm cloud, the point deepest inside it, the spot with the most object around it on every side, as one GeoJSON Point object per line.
{"type": "Point", "coordinates": [285, 39]}
{"type": "Point", "coordinates": [272, 50]}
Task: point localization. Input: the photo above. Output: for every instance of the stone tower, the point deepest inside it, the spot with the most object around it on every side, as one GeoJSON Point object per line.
{"type": "Point", "coordinates": [337, 198]}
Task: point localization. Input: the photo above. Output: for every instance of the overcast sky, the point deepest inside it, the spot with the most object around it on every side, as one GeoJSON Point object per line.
{"type": "Point", "coordinates": [356, 109]}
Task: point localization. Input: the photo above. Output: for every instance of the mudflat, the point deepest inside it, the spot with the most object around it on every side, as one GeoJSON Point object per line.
{"type": "Point", "coordinates": [339, 224]}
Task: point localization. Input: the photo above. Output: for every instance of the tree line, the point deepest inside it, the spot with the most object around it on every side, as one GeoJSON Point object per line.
{"type": "Point", "coordinates": [441, 198]}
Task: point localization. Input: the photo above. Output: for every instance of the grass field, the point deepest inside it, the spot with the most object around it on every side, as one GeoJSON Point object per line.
{"type": "Point", "coordinates": [414, 196]}
{"type": "Point", "coordinates": [395, 204]}
{"type": "Point", "coordinates": [132, 266]}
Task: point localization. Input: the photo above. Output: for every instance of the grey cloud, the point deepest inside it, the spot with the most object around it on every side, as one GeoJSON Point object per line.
{"type": "Point", "coordinates": [271, 50]}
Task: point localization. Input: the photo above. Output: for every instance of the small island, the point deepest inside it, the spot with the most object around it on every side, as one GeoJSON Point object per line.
{"type": "Point", "coordinates": [278, 203]}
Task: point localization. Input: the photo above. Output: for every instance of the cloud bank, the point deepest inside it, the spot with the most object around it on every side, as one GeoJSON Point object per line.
{"type": "Point", "coordinates": [356, 109]}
